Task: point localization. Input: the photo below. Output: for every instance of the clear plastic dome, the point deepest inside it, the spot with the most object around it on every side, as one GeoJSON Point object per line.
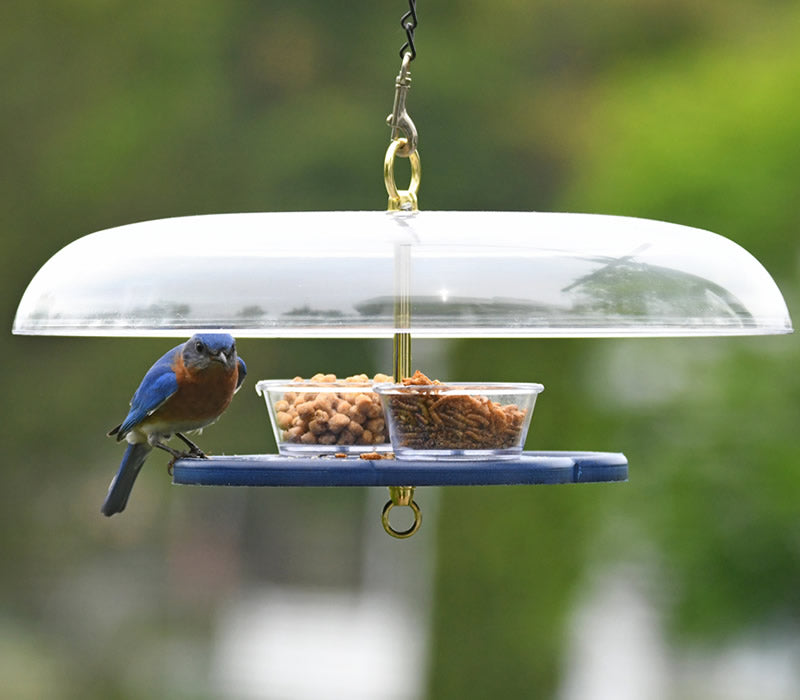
{"type": "Point", "coordinates": [339, 274]}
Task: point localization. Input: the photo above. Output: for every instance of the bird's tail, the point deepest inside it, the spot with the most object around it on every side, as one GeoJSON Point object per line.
{"type": "Point", "coordinates": [121, 486]}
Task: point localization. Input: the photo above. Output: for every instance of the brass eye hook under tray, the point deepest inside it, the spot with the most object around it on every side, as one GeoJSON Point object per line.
{"type": "Point", "coordinates": [401, 496]}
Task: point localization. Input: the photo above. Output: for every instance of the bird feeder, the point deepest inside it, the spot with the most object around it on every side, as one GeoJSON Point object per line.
{"type": "Point", "coordinates": [403, 274]}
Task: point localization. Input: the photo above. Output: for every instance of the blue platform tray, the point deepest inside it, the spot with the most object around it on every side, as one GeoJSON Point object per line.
{"type": "Point", "coordinates": [277, 470]}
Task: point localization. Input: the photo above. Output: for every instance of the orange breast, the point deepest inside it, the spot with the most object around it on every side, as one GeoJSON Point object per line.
{"type": "Point", "coordinates": [202, 395]}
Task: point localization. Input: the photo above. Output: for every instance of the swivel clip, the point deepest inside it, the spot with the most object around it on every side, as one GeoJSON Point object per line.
{"type": "Point", "coordinates": [399, 120]}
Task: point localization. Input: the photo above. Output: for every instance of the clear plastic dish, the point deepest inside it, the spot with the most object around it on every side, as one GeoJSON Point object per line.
{"type": "Point", "coordinates": [458, 421]}
{"type": "Point", "coordinates": [325, 416]}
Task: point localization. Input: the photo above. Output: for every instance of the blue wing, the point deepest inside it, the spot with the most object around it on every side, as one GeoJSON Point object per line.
{"type": "Point", "coordinates": [157, 386]}
{"type": "Point", "coordinates": [242, 373]}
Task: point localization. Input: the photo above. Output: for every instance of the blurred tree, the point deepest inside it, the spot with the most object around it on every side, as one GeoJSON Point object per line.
{"type": "Point", "coordinates": [698, 131]}
{"type": "Point", "coordinates": [116, 112]}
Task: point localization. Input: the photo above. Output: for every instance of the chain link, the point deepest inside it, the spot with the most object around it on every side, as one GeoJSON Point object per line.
{"type": "Point", "coordinates": [409, 24]}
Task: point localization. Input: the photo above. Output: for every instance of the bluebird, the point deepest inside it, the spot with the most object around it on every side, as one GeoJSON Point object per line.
{"type": "Point", "coordinates": [187, 389]}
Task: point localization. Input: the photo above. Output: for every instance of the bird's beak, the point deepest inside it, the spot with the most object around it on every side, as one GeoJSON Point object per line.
{"type": "Point", "coordinates": [222, 357]}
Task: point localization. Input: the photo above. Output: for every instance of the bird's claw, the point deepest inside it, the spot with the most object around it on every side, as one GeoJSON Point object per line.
{"type": "Point", "coordinates": [194, 450]}
{"type": "Point", "coordinates": [196, 453]}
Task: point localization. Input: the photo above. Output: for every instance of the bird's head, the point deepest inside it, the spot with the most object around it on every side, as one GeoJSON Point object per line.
{"type": "Point", "coordinates": [205, 350]}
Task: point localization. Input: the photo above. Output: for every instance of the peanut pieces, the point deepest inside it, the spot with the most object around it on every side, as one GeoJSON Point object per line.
{"type": "Point", "coordinates": [344, 416]}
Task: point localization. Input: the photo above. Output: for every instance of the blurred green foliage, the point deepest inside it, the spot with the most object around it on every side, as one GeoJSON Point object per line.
{"type": "Point", "coordinates": [115, 112]}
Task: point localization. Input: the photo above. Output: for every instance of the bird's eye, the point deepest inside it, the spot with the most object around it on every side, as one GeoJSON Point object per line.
{"type": "Point", "coordinates": [199, 346]}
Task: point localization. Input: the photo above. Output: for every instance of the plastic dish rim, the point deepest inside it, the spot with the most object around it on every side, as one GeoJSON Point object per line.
{"type": "Point", "coordinates": [460, 388]}
{"type": "Point", "coordinates": [340, 386]}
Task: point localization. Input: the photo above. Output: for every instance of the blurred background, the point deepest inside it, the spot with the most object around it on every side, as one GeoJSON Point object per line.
{"type": "Point", "coordinates": [683, 583]}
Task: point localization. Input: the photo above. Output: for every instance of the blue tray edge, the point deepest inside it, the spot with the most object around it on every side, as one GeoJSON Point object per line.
{"type": "Point", "coordinates": [547, 467]}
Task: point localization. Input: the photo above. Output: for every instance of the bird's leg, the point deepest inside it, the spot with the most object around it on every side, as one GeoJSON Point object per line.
{"type": "Point", "coordinates": [194, 450]}
{"type": "Point", "coordinates": [177, 454]}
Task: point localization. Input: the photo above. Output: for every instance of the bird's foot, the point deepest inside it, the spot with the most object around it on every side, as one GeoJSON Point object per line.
{"type": "Point", "coordinates": [196, 454]}
{"type": "Point", "coordinates": [194, 450]}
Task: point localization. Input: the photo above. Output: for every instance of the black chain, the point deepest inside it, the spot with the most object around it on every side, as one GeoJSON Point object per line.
{"type": "Point", "coordinates": [409, 23]}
